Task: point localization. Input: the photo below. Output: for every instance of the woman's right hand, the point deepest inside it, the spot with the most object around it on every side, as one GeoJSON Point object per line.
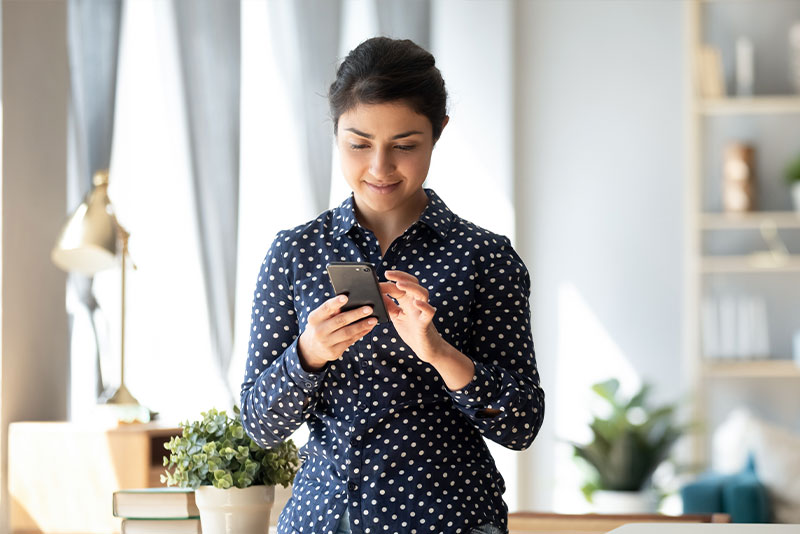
{"type": "Point", "coordinates": [330, 331]}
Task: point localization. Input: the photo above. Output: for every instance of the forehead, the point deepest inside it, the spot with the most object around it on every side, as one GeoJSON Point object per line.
{"type": "Point", "coordinates": [384, 119]}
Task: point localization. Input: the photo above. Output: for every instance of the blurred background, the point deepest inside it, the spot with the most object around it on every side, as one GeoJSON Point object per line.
{"type": "Point", "coordinates": [639, 174]}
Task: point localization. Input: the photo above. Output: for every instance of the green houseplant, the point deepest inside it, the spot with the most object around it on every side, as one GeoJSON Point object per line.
{"type": "Point", "coordinates": [233, 477]}
{"type": "Point", "coordinates": [626, 448]}
{"type": "Point", "coordinates": [792, 175]}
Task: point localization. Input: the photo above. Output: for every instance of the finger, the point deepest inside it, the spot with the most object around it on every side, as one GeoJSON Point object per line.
{"type": "Point", "coordinates": [414, 289]}
{"type": "Point", "coordinates": [344, 319]}
{"type": "Point", "coordinates": [401, 275]}
{"type": "Point", "coordinates": [426, 310]}
{"type": "Point", "coordinates": [391, 308]}
{"type": "Point", "coordinates": [349, 335]}
{"type": "Point", "coordinates": [327, 309]}
{"type": "Point", "coordinates": [405, 301]}
{"type": "Point", "coordinates": [385, 287]}
{"type": "Point", "coordinates": [392, 290]}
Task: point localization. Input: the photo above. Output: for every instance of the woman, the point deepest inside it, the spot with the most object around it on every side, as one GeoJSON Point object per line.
{"type": "Point", "coordinates": [396, 411]}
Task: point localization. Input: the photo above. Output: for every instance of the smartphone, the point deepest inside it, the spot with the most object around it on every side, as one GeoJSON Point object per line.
{"type": "Point", "coordinates": [359, 282]}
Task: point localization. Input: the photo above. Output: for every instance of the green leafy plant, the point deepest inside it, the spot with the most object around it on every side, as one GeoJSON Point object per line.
{"type": "Point", "coordinates": [630, 444]}
{"type": "Point", "coordinates": [217, 452]}
{"type": "Point", "coordinates": [792, 172]}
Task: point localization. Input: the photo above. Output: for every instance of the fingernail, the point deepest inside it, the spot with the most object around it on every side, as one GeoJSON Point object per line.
{"type": "Point", "coordinates": [366, 309]}
{"type": "Point", "coordinates": [372, 321]}
{"type": "Point", "coordinates": [342, 298]}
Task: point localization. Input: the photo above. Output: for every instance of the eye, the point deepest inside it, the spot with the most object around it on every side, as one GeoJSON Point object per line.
{"type": "Point", "coordinates": [357, 147]}
{"type": "Point", "coordinates": [406, 147]}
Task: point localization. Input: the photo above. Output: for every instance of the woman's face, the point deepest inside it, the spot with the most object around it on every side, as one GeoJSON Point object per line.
{"type": "Point", "coordinates": [385, 152]}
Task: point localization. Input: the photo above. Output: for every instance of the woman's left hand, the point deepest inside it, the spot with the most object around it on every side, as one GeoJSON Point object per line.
{"type": "Point", "coordinates": [412, 316]}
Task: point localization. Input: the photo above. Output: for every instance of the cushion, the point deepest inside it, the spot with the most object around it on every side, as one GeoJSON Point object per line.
{"type": "Point", "coordinates": [777, 462]}
{"type": "Point", "coordinates": [732, 442]}
{"type": "Point", "coordinates": [740, 494]}
{"type": "Point", "coordinates": [745, 498]}
{"type": "Point", "coordinates": [704, 495]}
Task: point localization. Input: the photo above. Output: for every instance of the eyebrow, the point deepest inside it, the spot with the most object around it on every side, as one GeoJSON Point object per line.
{"type": "Point", "coordinates": [370, 136]}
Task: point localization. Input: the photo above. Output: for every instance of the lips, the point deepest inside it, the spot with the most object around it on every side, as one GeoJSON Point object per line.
{"type": "Point", "coordinates": [382, 188]}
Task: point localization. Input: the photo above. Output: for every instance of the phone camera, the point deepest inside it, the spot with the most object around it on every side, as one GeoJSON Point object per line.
{"type": "Point", "coordinates": [366, 269]}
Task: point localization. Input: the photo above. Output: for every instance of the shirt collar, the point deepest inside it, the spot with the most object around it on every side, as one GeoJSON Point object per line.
{"type": "Point", "coordinates": [437, 216]}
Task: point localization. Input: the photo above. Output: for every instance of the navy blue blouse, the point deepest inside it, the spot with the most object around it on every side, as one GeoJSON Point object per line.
{"type": "Point", "coordinates": [387, 437]}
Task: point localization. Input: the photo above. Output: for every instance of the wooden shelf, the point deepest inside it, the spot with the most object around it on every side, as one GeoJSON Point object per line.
{"type": "Point", "coordinates": [750, 264]}
{"type": "Point", "coordinates": [731, 221]}
{"type": "Point", "coordinates": [751, 105]}
{"type": "Point", "coordinates": [752, 369]}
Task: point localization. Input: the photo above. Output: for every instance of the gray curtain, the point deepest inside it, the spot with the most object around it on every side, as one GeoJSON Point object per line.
{"type": "Point", "coordinates": [305, 37]}
{"type": "Point", "coordinates": [405, 19]}
{"type": "Point", "coordinates": [209, 35]}
{"type": "Point", "coordinates": [93, 44]}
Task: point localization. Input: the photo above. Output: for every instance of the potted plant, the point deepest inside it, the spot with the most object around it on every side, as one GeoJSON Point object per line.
{"type": "Point", "coordinates": [792, 175]}
{"type": "Point", "coordinates": [627, 447]}
{"type": "Point", "coordinates": [233, 477]}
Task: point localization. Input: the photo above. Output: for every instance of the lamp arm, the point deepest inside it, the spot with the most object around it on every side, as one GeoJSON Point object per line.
{"type": "Point", "coordinates": [123, 236]}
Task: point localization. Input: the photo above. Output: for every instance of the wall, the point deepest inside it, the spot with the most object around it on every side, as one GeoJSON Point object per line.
{"type": "Point", "coordinates": [472, 165]}
{"type": "Point", "coordinates": [34, 323]}
{"type": "Point", "coordinates": [600, 95]}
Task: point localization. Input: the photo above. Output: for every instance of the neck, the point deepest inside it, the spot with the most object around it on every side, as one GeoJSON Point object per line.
{"type": "Point", "coordinates": [393, 223]}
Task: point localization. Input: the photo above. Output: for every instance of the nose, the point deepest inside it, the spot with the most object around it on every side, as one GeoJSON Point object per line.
{"type": "Point", "coordinates": [381, 164]}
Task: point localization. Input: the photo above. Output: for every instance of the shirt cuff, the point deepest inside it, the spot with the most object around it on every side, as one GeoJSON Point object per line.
{"type": "Point", "coordinates": [479, 391]}
{"type": "Point", "coordinates": [305, 380]}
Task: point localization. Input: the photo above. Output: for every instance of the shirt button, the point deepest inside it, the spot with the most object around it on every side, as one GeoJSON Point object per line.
{"type": "Point", "coordinates": [352, 486]}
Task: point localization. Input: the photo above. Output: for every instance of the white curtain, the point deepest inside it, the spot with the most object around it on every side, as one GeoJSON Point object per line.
{"type": "Point", "coordinates": [93, 31]}
{"type": "Point", "coordinates": [171, 364]}
{"type": "Point", "coordinates": [408, 19]}
{"type": "Point", "coordinates": [306, 34]}
{"type": "Point", "coordinates": [209, 36]}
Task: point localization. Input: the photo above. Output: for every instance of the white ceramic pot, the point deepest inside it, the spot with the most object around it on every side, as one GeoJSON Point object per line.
{"type": "Point", "coordinates": [796, 196]}
{"type": "Point", "coordinates": [235, 510]}
{"type": "Point", "coordinates": [624, 502]}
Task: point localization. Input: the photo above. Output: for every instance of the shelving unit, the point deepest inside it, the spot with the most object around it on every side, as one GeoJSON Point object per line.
{"type": "Point", "coordinates": [751, 264]}
{"type": "Point", "coordinates": [731, 221]}
{"type": "Point", "coordinates": [708, 117]}
{"type": "Point", "coordinates": [754, 105]}
{"type": "Point", "coordinates": [753, 369]}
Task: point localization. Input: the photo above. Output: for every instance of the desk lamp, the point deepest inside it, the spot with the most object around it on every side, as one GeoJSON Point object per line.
{"type": "Point", "coordinates": [89, 242]}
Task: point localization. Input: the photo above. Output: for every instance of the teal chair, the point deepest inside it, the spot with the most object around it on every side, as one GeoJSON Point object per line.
{"type": "Point", "coordinates": [741, 495]}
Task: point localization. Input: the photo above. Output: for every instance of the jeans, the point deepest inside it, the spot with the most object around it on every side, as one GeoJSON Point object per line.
{"type": "Point", "coordinates": [344, 523]}
{"type": "Point", "coordinates": [344, 526]}
{"type": "Point", "coordinates": [486, 528]}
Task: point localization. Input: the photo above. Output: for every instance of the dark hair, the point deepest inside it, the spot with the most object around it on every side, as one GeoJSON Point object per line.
{"type": "Point", "coordinates": [387, 70]}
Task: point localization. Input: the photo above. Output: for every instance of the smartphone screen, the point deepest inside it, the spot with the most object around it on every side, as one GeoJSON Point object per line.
{"type": "Point", "coordinates": [359, 282]}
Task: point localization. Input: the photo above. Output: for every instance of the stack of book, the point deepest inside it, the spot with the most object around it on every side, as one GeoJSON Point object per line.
{"type": "Point", "coordinates": [157, 511]}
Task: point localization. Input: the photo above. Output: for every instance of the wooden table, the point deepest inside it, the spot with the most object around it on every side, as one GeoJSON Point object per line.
{"type": "Point", "coordinates": [62, 475]}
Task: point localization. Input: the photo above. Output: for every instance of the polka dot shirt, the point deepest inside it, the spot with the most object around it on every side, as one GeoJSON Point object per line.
{"type": "Point", "coordinates": [388, 439]}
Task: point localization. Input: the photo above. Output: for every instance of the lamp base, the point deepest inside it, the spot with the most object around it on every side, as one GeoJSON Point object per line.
{"type": "Point", "coordinates": [123, 407]}
{"type": "Point", "coordinates": [120, 396]}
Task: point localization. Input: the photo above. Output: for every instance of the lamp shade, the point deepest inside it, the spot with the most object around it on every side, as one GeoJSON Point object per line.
{"type": "Point", "coordinates": [88, 241]}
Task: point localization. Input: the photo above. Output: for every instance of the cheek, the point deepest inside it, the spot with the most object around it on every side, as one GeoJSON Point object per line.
{"type": "Point", "coordinates": [419, 164]}
{"type": "Point", "coordinates": [349, 163]}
